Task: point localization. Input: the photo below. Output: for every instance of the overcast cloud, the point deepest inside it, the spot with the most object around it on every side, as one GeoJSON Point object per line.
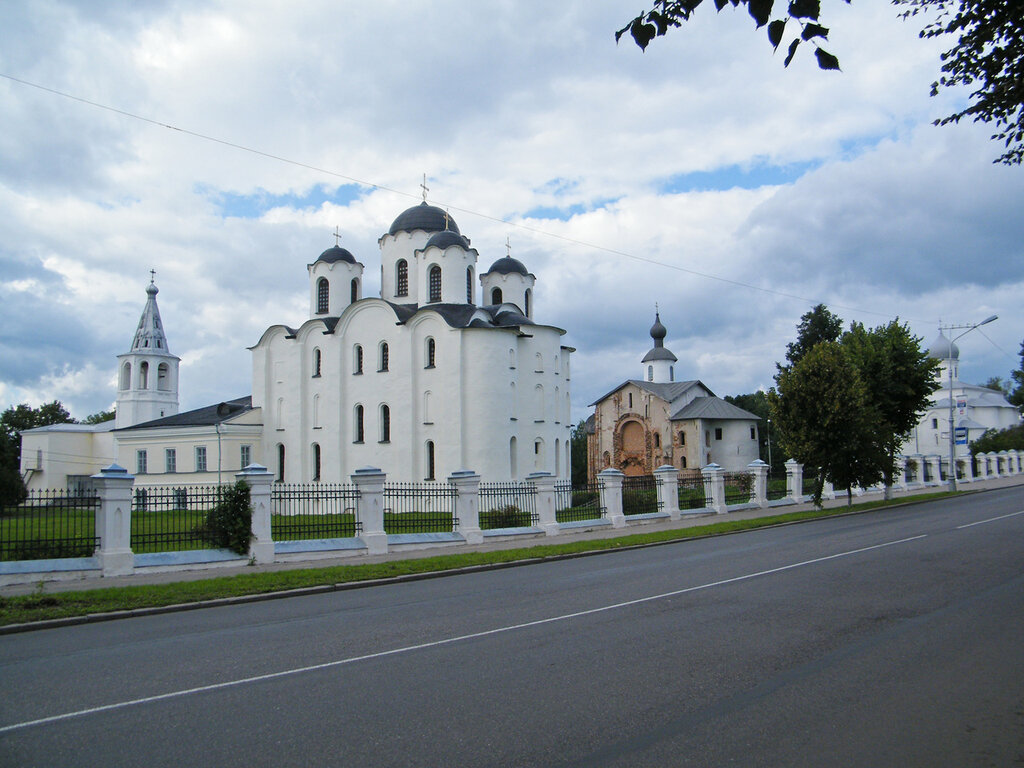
{"type": "Point", "coordinates": [700, 175]}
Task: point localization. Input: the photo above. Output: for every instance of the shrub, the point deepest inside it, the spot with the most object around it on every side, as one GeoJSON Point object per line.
{"type": "Point", "coordinates": [229, 524]}
{"type": "Point", "coordinates": [509, 516]}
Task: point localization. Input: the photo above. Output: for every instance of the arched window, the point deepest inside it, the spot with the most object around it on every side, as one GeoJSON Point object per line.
{"type": "Point", "coordinates": [316, 462]}
{"type": "Point", "coordinates": [382, 361]}
{"type": "Point", "coordinates": [671, 373]}
{"type": "Point", "coordinates": [357, 359]}
{"type": "Point", "coordinates": [402, 278]}
{"type": "Point", "coordinates": [355, 291]}
{"type": "Point", "coordinates": [385, 424]}
{"type": "Point", "coordinates": [657, 440]}
{"type": "Point", "coordinates": [126, 376]}
{"type": "Point", "coordinates": [538, 403]}
{"type": "Point", "coordinates": [434, 282]}
{"type": "Point", "coordinates": [539, 363]}
{"type": "Point", "coordinates": [430, 468]}
{"type": "Point", "coordinates": [163, 377]}
{"type": "Point", "coordinates": [650, 373]}
{"type": "Point", "coordinates": [630, 399]}
{"type": "Point", "coordinates": [280, 463]}
{"type": "Point", "coordinates": [495, 295]}
{"type": "Point", "coordinates": [682, 462]}
{"type": "Point", "coordinates": [682, 437]}
{"type": "Point", "coordinates": [426, 408]}
{"type": "Point", "coordinates": [316, 412]}
{"type": "Point", "coordinates": [513, 459]}
{"type": "Point", "coordinates": [538, 454]}
{"type": "Point", "coordinates": [526, 300]}
{"type": "Point", "coordinates": [558, 458]}
{"type": "Point", "coordinates": [431, 350]}
{"type": "Point", "coordinates": [316, 363]}
{"type": "Point", "coordinates": [323, 296]}
{"type": "Point", "coordinates": [144, 375]}
{"type": "Point", "coordinates": [357, 432]}
{"type": "Point", "coordinates": [469, 285]}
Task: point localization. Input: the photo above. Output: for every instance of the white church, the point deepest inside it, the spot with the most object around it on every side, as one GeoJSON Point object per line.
{"type": "Point", "coordinates": [422, 381]}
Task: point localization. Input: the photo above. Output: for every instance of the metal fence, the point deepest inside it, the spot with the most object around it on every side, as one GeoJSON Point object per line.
{"type": "Point", "coordinates": [693, 491]}
{"type": "Point", "coordinates": [776, 488]}
{"type": "Point", "coordinates": [737, 487]}
{"type": "Point", "coordinates": [49, 524]}
{"type": "Point", "coordinates": [508, 505]}
{"type": "Point", "coordinates": [640, 495]}
{"type": "Point", "coordinates": [580, 502]}
{"type": "Point", "coordinates": [809, 482]}
{"type": "Point", "coordinates": [419, 508]}
{"type": "Point", "coordinates": [172, 518]}
{"type": "Point", "coordinates": [300, 511]}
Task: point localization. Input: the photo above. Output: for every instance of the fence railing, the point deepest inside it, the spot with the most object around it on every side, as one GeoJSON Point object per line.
{"type": "Point", "coordinates": [172, 518]}
{"type": "Point", "coordinates": [578, 503]}
{"type": "Point", "coordinates": [640, 495]}
{"type": "Point", "coordinates": [508, 505]}
{"type": "Point", "coordinates": [49, 524]}
{"type": "Point", "coordinates": [301, 511]}
{"type": "Point", "coordinates": [693, 491]}
{"type": "Point", "coordinates": [419, 508]}
{"type": "Point", "coordinates": [776, 488]}
{"type": "Point", "coordinates": [737, 487]}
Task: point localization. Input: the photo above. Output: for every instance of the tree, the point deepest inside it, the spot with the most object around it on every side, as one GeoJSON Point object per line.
{"type": "Point", "coordinates": [99, 417]}
{"type": "Point", "coordinates": [815, 326]}
{"type": "Point", "coordinates": [14, 421]}
{"type": "Point", "coordinates": [994, 441]}
{"type": "Point", "coordinates": [987, 53]}
{"type": "Point", "coordinates": [1017, 376]}
{"type": "Point", "coordinates": [821, 407]}
{"type": "Point", "coordinates": [898, 376]}
{"type": "Point", "coordinates": [578, 453]}
{"type": "Point", "coordinates": [997, 383]}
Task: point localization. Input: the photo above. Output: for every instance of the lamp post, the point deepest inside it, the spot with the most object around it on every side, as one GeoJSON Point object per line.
{"type": "Point", "coordinates": [769, 446]}
{"type": "Point", "coordinates": [951, 480]}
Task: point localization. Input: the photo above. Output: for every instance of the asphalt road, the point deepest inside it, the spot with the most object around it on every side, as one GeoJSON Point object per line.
{"type": "Point", "coordinates": [889, 638]}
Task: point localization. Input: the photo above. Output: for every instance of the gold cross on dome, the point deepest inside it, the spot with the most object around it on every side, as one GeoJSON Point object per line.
{"type": "Point", "coordinates": [424, 187]}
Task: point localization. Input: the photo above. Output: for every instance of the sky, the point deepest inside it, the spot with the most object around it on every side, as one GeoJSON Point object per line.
{"type": "Point", "coordinates": [221, 144]}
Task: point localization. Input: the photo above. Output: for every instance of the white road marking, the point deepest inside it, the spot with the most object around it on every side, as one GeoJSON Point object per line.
{"type": "Point", "coordinates": [990, 520]}
{"type": "Point", "coordinates": [436, 643]}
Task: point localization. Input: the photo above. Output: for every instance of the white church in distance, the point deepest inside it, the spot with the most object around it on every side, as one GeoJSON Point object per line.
{"type": "Point", "coordinates": [421, 381]}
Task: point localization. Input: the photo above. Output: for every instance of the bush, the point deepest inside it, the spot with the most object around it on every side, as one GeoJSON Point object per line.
{"type": "Point", "coordinates": [994, 441]}
{"type": "Point", "coordinates": [509, 516]}
{"type": "Point", "coordinates": [229, 524]}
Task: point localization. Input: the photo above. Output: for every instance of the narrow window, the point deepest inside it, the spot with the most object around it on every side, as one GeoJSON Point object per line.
{"type": "Point", "coordinates": [469, 285]}
{"type": "Point", "coordinates": [682, 438]}
{"type": "Point", "coordinates": [435, 283]}
{"type": "Point", "coordinates": [357, 435]}
{"type": "Point", "coordinates": [170, 460]}
{"type": "Point", "coordinates": [650, 373]}
{"type": "Point", "coordinates": [280, 463]}
{"type": "Point", "coordinates": [316, 462]}
{"type": "Point", "coordinates": [753, 433]}
{"type": "Point", "coordinates": [126, 376]}
{"type": "Point", "coordinates": [496, 296]}
{"type": "Point", "coordinates": [526, 302]}
{"type": "Point", "coordinates": [144, 375]}
{"type": "Point", "coordinates": [935, 423]}
{"type": "Point", "coordinates": [682, 462]}
{"type": "Point", "coordinates": [402, 278]}
{"type": "Point", "coordinates": [657, 440]}
{"type": "Point", "coordinates": [630, 399]}
{"type": "Point", "coordinates": [431, 348]}
{"type": "Point", "coordinates": [513, 462]}
{"type": "Point", "coordinates": [430, 461]}
{"type": "Point", "coordinates": [316, 363]}
{"type": "Point", "coordinates": [355, 291]}
{"type": "Point", "coordinates": [357, 359]}
{"type": "Point", "coordinates": [323, 296]}
{"type": "Point", "coordinates": [383, 361]}
{"type": "Point", "coordinates": [246, 456]}
{"type": "Point", "coordinates": [718, 433]}
{"type": "Point", "coordinates": [539, 367]}
{"type": "Point", "coordinates": [163, 377]}
{"type": "Point", "coordinates": [671, 373]}
{"type": "Point", "coordinates": [385, 424]}
{"type": "Point", "coordinates": [140, 462]}
{"type": "Point", "coordinates": [200, 458]}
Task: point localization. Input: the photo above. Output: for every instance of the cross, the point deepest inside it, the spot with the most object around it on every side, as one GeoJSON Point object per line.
{"type": "Point", "coordinates": [337, 236]}
{"type": "Point", "coordinates": [152, 275]}
{"type": "Point", "coordinates": [508, 245]}
{"type": "Point", "coordinates": [445, 217]}
{"type": "Point", "coordinates": [424, 187]}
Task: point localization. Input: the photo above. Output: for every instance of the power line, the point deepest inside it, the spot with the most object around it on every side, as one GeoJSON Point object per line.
{"type": "Point", "coordinates": [467, 211]}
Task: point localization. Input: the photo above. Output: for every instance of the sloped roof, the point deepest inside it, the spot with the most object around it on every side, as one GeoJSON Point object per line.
{"type": "Point", "coordinates": [712, 408]}
{"type": "Point", "coordinates": [200, 417]}
{"type": "Point", "coordinates": [667, 391]}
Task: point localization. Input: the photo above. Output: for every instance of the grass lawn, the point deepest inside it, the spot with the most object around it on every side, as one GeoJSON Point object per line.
{"type": "Point", "coordinates": [43, 605]}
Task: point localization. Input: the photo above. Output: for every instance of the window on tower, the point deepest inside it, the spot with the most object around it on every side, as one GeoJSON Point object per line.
{"type": "Point", "coordinates": [402, 278]}
{"type": "Point", "coordinates": [435, 284]}
{"type": "Point", "coordinates": [323, 296]}
{"type": "Point", "coordinates": [469, 285]}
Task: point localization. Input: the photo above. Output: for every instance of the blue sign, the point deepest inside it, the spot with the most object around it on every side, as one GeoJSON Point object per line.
{"type": "Point", "coordinates": [960, 435]}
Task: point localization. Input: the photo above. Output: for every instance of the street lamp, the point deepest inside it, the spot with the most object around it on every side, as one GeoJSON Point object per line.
{"type": "Point", "coordinates": [952, 440]}
{"type": "Point", "coordinates": [769, 446]}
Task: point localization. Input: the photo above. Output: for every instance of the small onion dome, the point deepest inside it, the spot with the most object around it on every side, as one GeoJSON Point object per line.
{"type": "Point", "coordinates": [445, 239]}
{"type": "Point", "coordinates": [336, 253]}
{"type": "Point", "coordinates": [943, 349]}
{"type": "Point", "coordinates": [507, 265]}
{"type": "Point", "coordinates": [658, 331]}
{"type": "Point", "coordinates": [426, 217]}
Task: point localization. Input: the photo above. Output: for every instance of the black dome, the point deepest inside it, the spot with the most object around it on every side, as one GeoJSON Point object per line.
{"type": "Point", "coordinates": [428, 218]}
{"type": "Point", "coordinates": [337, 253]}
{"type": "Point", "coordinates": [507, 265]}
{"type": "Point", "coordinates": [445, 239]}
{"type": "Point", "coordinates": [658, 331]}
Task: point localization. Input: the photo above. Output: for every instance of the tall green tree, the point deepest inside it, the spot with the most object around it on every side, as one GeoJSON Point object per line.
{"type": "Point", "coordinates": [1017, 377]}
{"type": "Point", "coordinates": [14, 421]}
{"type": "Point", "coordinates": [821, 407]}
{"type": "Point", "coordinates": [898, 377]}
{"type": "Point", "coordinates": [816, 325]}
{"type": "Point", "coordinates": [99, 417]}
{"type": "Point", "coordinates": [578, 453]}
{"type": "Point", "coordinates": [986, 56]}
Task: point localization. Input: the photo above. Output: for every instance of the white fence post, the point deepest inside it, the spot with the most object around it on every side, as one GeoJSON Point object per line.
{"type": "Point", "coordinates": [114, 520]}
{"type": "Point", "coordinates": [795, 480]}
{"type": "Point", "coordinates": [759, 488]}
{"type": "Point", "coordinates": [369, 482]}
{"type": "Point", "coordinates": [611, 496]}
{"type": "Point", "coordinates": [714, 476]}
{"type": "Point", "coordinates": [668, 490]}
{"type": "Point", "coordinates": [467, 504]}
{"type": "Point", "coordinates": [259, 480]}
{"type": "Point", "coordinates": [544, 482]}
